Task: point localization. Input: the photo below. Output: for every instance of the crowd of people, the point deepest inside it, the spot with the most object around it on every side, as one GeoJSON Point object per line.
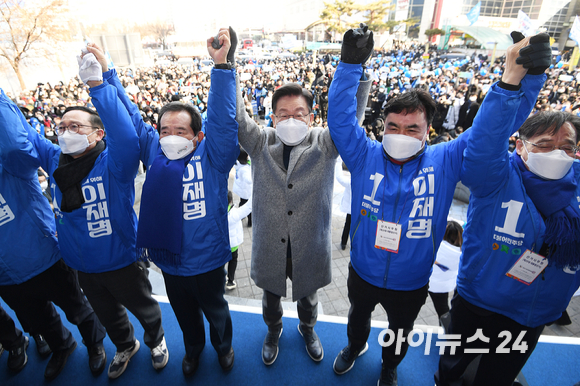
{"type": "Point", "coordinates": [524, 218]}
{"type": "Point", "coordinates": [458, 87]}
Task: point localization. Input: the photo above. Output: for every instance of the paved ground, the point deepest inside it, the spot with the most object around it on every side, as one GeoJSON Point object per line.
{"type": "Point", "coordinates": [333, 298]}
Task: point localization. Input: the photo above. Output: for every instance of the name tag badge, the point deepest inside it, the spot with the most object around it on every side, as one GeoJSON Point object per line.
{"type": "Point", "coordinates": [388, 236]}
{"type": "Point", "coordinates": [528, 267]}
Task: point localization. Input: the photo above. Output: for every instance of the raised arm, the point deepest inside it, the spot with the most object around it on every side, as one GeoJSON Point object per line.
{"type": "Point", "coordinates": [349, 137]}
{"type": "Point", "coordinates": [222, 128]}
{"type": "Point", "coordinates": [22, 149]}
{"type": "Point", "coordinates": [249, 133]}
{"type": "Point", "coordinates": [148, 136]}
{"type": "Point", "coordinates": [505, 108]}
{"type": "Point", "coordinates": [122, 141]}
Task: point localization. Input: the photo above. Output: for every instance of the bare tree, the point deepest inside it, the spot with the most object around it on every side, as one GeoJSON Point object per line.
{"type": "Point", "coordinates": [375, 13]}
{"type": "Point", "coordinates": [333, 14]}
{"type": "Point", "coordinates": [30, 28]}
{"type": "Point", "coordinates": [160, 30]}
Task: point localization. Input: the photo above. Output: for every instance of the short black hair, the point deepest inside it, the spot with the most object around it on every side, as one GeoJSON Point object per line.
{"type": "Point", "coordinates": [94, 118]}
{"type": "Point", "coordinates": [411, 101]}
{"type": "Point", "coordinates": [453, 233]}
{"type": "Point", "coordinates": [177, 107]}
{"type": "Point", "coordinates": [292, 89]}
{"type": "Point", "coordinates": [548, 122]}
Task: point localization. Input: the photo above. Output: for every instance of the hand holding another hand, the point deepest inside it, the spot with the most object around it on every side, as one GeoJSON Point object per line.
{"type": "Point", "coordinates": [91, 65]}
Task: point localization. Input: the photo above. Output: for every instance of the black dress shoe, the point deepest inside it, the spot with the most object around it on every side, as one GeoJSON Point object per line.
{"type": "Point", "coordinates": [17, 357]}
{"type": "Point", "coordinates": [57, 362]}
{"type": "Point", "coordinates": [313, 345]}
{"type": "Point", "coordinates": [189, 366]}
{"type": "Point", "coordinates": [97, 358]}
{"type": "Point", "coordinates": [227, 361]}
{"type": "Point", "coordinates": [270, 347]}
{"type": "Point", "coordinates": [41, 346]}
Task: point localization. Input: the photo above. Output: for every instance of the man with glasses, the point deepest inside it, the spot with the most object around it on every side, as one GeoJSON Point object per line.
{"type": "Point", "coordinates": [293, 174]}
{"type": "Point", "coordinates": [401, 193]}
{"type": "Point", "coordinates": [521, 252]}
{"type": "Point", "coordinates": [92, 185]}
{"type": "Point", "coordinates": [32, 272]}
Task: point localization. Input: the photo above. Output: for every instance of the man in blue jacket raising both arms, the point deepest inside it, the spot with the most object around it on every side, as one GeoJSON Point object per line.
{"type": "Point", "coordinates": [92, 185]}
{"type": "Point", "coordinates": [183, 223]}
{"type": "Point", "coordinates": [401, 194]}
{"type": "Point", "coordinates": [521, 252]}
{"type": "Point", "coordinates": [32, 272]}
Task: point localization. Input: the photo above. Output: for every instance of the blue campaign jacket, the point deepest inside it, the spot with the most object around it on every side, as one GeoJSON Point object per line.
{"type": "Point", "coordinates": [100, 236]}
{"type": "Point", "coordinates": [417, 194]}
{"type": "Point", "coordinates": [205, 239]}
{"type": "Point", "coordinates": [502, 220]}
{"type": "Point", "coordinates": [27, 230]}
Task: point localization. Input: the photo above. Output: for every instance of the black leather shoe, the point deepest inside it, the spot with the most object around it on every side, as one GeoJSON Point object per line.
{"type": "Point", "coordinates": [227, 361]}
{"type": "Point", "coordinates": [57, 362]}
{"type": "Point", "coordinates": [17, 357]}
{"type": "Point", "coordinates": [42, 347]}
{"type": "Point", "coordinates": [270, 347]}
{"type": "Point", "coordinates": [388, 377]}
{"type": "Point", "coordinates": [189, 366]}
{"type": "Point", "coordinates": [97, 358]}
{"type": "Point", "coordinates": [313, 345]}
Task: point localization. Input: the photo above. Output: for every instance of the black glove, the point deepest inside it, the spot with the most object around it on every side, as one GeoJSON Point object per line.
{"type": "Point", "coordinates": [357, 45]}
{"type": "Point", "coordinates": [537, 56]}
{"type": "Point", "coordinates": [234, 42]}
{"type": "Point", "coordinates": [517, 36]}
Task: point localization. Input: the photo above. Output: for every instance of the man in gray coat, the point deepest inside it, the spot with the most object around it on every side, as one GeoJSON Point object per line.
{"type": "Point", "coordinates": [293, 174]}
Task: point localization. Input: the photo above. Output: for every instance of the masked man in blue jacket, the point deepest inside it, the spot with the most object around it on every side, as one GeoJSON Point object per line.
{"type": "Point", "coordinates": [183, 226]}
{"type": "Point", "coordinates": [521, 252]}
{"type": "Point", "coordinates": [92, 185]}
{"type": "Point", "coordinates": [401, 194]}
{"type": "Point", "coordinates": [32, 272]}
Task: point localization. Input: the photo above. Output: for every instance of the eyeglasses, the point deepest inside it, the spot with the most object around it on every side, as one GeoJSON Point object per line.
{"type": "Point", "coordinates": [546, 148]}
{"type": "Point", "coordinates": [73, 128]}
{"type": "Point", "coordinates": [300, 116]}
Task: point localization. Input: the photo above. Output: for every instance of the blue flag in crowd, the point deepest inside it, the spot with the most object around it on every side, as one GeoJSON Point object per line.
{"type": "Point", "coordinates": [473, 15]}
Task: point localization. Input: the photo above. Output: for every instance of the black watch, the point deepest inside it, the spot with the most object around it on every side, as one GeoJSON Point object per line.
{"type": "Point", "coordinates": [223, 66]}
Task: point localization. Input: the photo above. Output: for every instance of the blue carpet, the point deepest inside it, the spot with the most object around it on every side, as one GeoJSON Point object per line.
{"type": "Point", "coordinates": [550, 364]}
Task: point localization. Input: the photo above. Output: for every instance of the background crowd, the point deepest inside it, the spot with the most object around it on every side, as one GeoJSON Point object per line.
{"type": "Point", "coordinates": [457, 85]}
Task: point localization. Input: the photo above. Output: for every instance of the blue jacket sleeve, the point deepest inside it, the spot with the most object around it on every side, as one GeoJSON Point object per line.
{"type": "Point", "coordinates": [222, 128]}
{"type": "Point", "coordinates": [148, 136]}
{"type": "Point", "coordinates": [122, 141]}
{"type": "Point", "coordinates": [501, 114]}
{"type": "Point", "coordinates": [350, 139]}
{"type": "Point", "coordinates": [22, 149]}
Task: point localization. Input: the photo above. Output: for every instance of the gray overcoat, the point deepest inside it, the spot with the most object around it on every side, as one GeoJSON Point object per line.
{"type": "Point", "coordinates": [290, 205]}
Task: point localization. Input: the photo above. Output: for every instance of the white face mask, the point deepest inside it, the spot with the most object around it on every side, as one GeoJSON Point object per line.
{"type": "Point", "coordinates": [551, 166]}
{"type": "Point", "coordinates": [291, 131]}
{"type": "Point", "coordinates": [401, 147]}
{"type": "Point", "coordinates": [44, 185]}
{"type": "Point", "coordinates": [176, 147]}
{"type": "Point", "coordinates": [74, 143]}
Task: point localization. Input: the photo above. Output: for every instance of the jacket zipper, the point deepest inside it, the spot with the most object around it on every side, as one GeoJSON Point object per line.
{"type": "Point", "coordinates": [393, 220]}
